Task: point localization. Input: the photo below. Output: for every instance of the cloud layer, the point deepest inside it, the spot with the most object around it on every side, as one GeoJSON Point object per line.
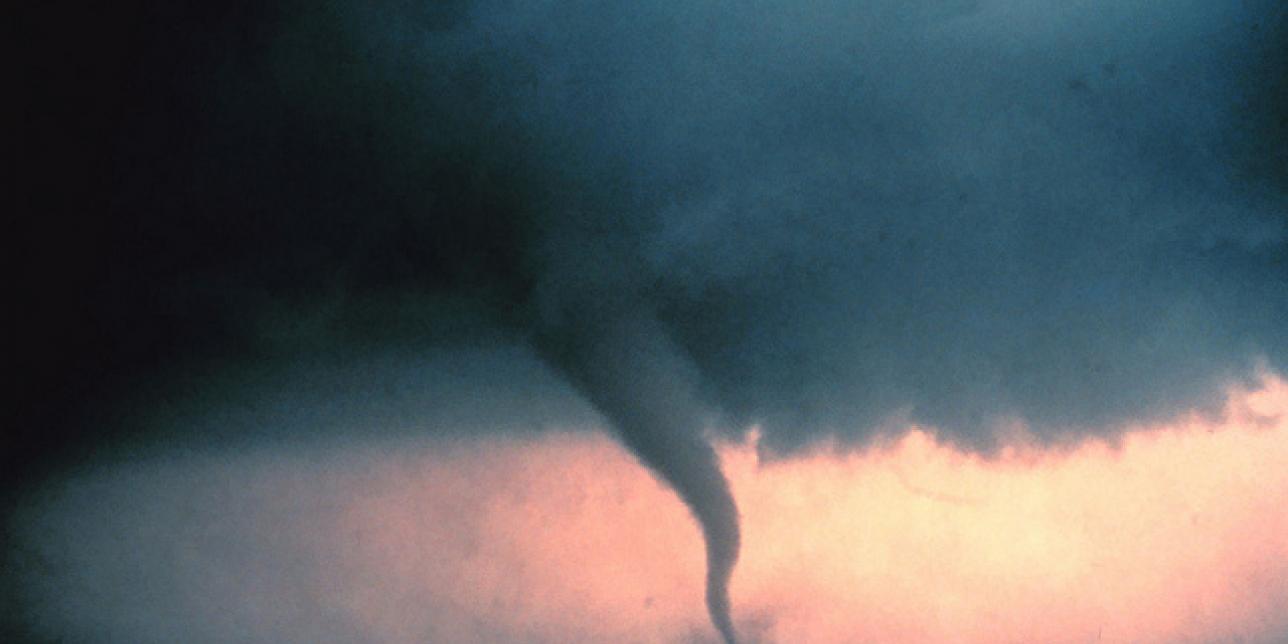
{"type": "Point", "coordinates": [838, 213]}
{"type": "Point", "coordinates": [957, 213]}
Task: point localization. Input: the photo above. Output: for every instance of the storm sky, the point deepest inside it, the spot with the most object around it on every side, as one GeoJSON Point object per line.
{"type": "Point", "coordinates": [824, 224]}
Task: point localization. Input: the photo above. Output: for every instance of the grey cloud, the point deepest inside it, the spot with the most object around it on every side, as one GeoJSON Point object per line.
{"type": "Point", "coordinates": [957, 212]}
{"type": "Point", "coordinates": [844, 211]}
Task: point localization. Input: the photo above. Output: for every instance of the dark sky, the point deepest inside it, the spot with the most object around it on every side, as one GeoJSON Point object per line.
{"type": "Point", "coordinates": [817, 217]}
{"type": "Point", "coordinates": [952, 210]}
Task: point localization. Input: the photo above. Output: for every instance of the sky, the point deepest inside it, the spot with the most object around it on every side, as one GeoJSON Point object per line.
{"type": "Point", "coordinates": [1179, 533]}
{"type": "Point", "coordinates": [1028, 258]}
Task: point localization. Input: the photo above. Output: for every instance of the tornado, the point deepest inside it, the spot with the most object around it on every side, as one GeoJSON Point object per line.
{"type": "Point", "coordinates": [641, 382]}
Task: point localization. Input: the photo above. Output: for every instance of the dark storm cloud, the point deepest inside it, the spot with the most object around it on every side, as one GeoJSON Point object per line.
{"type": "Point", "coordinates": [950, 211]}
{"type": "Point", "coordinates": [817, 217]}
{"type": "Point", "coordinates": [957, 213]}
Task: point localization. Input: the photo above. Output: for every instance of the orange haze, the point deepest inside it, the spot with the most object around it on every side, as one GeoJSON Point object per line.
{"type": "Point", "coordinates": [1178, 534]}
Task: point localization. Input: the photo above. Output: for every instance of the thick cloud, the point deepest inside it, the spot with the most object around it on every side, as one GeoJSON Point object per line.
{"type": "Point", "coordinates": [957, 212]}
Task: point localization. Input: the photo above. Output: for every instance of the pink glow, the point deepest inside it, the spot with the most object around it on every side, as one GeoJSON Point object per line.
{"type": "Point", "coordinates": [1178, 534]}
